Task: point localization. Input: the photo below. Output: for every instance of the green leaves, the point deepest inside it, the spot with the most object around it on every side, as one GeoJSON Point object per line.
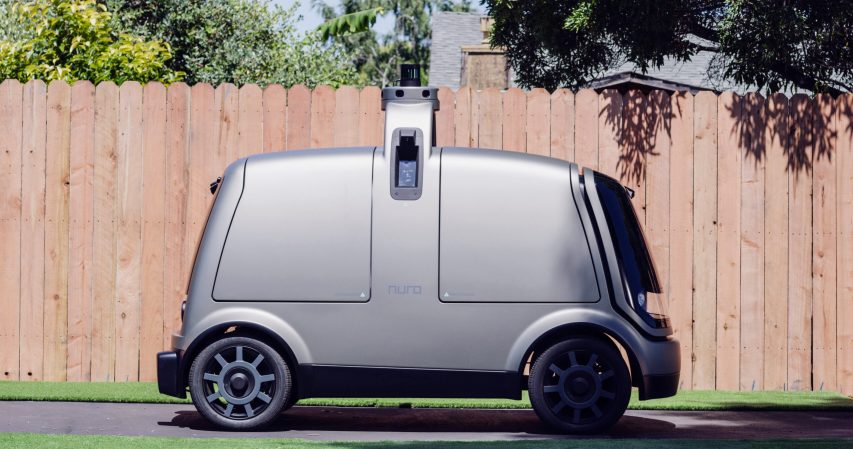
{"type": "Point", "coordinates": [351, 23]}
{"type": "Point", "coordinates": [580, 16]}
{"type": "Point", "coordinates": [236, 41]}
{"type": "Point", "coordinates": [771, 45]}
{"type": "Point", "coordinates": [72, 40]}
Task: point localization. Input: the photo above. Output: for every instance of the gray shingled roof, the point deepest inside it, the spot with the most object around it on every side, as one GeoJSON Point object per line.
{"type": "Point", "coordinates": [451, 31]}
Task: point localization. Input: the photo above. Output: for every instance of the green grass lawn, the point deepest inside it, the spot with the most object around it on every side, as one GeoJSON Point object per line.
{"type": "Point", "coordinates": [35, 441]}
{"type": "Point", "coordinates": [686, 400]}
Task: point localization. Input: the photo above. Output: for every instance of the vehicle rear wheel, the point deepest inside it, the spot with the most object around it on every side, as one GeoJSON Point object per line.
{"type": "Point", "coordinates": [580, 385]}
{"type": "Point", "coordinates": [239, 383]}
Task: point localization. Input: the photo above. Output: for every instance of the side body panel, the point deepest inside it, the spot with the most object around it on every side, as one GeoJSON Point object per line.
{"type": "Point", "coordinates": [301, 231]}
{"type": "Point", "coordinates": [510, 230]}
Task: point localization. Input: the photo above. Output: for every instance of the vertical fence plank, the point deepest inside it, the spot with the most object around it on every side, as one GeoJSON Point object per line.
{"type": "Point", "coordinates": [586, 128]}
{"type": "Point", "coordinates": [444, 131]}
{"type": "Point", "coordinates": [539, 122]}
{"type": "Point", "coordinates": [489, 119]}
{"type": "Point", "coordinates": [824, 245]}
{"type": "Point", "coordinates": [32, 230]}
{"type": "Point", "coordinates": [462, 117]}
{"type": "Point", "coordinates": [729, 114]}
{"type": "Point", "coordinates": [610, 123]}
{"type": "Point", "coordinates": [81, 213]}
{"type": "Point", "coordinates": [776, 231]}
{"type": "Point", "coordinates": [11, 122]}
{"type": "Point", "coordinates": [844, 334]}
{"type": "Point", "coordinates": [345, 123]}
{"type": "Point", "coordinates": [752, 244]}
{"type": "Point", "coordinates": [203, 125]}
{"type": "Point", "coordinates": [153, 228]}
{"type": "Point", "coordinates": [562, 120]}
{"type": "Point", "coordinates": [799, 246]}
{"type": "Point", "coordinates": [177, 247]}
{"type": "Point", "coordinates": [704, 239]}
{"type": "Point", "coordinates": [370, 118]}
{"type": "Point", "coordinates": [226, 98]}
{"type": "Point", "coordinates": [128, 231]}
{"type": "Point", "coordinates": [513, 116]}
{"type": "Point", "coordinates": [681, 230]}
{"type": "Point", "coordinates": [475, 119]}
{"type": "Point", "coordinates": [275, 118]}
{"type": "Point", "coordinates": [104, 250]}
{"type": "Point", "coordinates": [251, 123]}
{"type": "Point", "coordinates": [56, 230]}
{"type": "Point", "coordinates": [322, 117]}
{"type": "Point", "coordinates": [636, 131]}
{"type": "Point", "coordinates": [658, 190]}
{"type": "Point", "coordinates": [298, 118]}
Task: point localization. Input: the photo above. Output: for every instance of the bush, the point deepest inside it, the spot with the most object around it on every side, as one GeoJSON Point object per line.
{"type": "Point", "coordinates": [74, 39]}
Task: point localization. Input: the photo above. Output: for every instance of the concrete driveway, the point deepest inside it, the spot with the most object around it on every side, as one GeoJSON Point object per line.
{"type": "Point", "coordinates": [375, 424]}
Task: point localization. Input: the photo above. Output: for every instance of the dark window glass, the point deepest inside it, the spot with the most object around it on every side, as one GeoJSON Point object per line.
{"type": "Point", "coordinates": [636, 265]}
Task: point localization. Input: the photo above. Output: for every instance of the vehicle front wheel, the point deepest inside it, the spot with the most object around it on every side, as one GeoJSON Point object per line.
{"type": "Point", "coordinates": [580, 385]}
{"type": "Point", "coordinates": [239, 383]}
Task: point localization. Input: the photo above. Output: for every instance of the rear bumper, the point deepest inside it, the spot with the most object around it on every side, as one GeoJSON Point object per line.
{"type": "Point", "coordinates": [169, 380]}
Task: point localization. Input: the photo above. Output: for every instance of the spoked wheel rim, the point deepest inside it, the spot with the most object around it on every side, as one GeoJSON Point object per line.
{"type": "Point", "coordinates": [579, 387]}
{"type": "Point", "coordinates": [239, 382]}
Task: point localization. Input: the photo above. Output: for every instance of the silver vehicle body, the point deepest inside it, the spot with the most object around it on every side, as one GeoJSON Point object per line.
{"type": "Point", "coordinates": [495, 252]}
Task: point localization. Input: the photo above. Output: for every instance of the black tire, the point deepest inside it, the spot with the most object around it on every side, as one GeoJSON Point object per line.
{"type": "Point", "coordinates": [580, 386]}
{"type": "Point", "coordinates": [239, 383]}
{"type": "Point", "coordinates": [291, 401]}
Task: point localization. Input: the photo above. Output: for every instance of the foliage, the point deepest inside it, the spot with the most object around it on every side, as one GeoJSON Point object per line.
{"type": "Point", "coordinates": [377, 57]}
{"type": "Point", "coordinates": [346, 24]}
{"type": "Point", "coordinates": [74, 39]}
{"type": "Point", "coordinates": [770, 44]}
{"type": "Point", "coordinates": [236, 41]}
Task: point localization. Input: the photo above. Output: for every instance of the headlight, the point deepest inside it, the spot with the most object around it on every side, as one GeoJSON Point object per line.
{"type": "Point", "coordinates": [652, 308]}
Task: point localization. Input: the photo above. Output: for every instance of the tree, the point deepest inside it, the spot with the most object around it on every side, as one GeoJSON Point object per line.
{"type": "Point", "coordinates": [72, 40]}
{"type": "Point", "coordinates": [377, 57]}
{"type": "Point", "coordinates": [769, 44]}
{"type": "Point", "coordinates": [236, 41]}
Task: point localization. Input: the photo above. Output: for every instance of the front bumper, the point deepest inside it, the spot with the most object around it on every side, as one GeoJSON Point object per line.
{"type": "Point", "coordinates": [169, 380]}
{"type": "Point", "coordinates": [659, 386]}
{"type": "Point", "coordinates": [662, 370]}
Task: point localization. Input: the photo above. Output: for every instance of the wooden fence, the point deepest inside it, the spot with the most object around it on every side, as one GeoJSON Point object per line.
{"type": "Point", "coordinates": [747, 203]}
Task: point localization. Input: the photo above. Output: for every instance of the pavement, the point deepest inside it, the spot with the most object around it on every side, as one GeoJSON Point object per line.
{"type": "Point", "coordinates": [402, 424]}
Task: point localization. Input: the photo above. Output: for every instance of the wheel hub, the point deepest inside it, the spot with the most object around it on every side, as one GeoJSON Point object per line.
{"type": "Point", "coordinates": [238, 383]}
{"type": "Point", "coordinates": [236, 386]}
{"type": "Point", "coordinates": [579, 386]}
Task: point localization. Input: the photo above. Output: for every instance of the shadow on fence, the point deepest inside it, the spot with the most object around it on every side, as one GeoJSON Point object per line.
{"type": "Point", "coordinates": [804, 126]}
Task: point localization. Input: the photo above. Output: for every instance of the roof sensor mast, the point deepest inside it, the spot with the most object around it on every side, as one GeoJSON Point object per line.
{"type": "Point", "coordinates": [409, 133]}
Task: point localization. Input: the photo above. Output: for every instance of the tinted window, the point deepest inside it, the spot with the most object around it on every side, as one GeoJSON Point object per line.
{"type": "Point", "coordinates": [637, 265]}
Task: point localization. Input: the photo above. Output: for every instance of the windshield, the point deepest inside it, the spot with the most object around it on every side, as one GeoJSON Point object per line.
{"type": "Point", "coordinates": [636, 264]}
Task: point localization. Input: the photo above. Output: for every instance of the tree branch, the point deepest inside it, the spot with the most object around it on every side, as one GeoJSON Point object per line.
{"type": "Point", "coordinates": [800, 79]}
